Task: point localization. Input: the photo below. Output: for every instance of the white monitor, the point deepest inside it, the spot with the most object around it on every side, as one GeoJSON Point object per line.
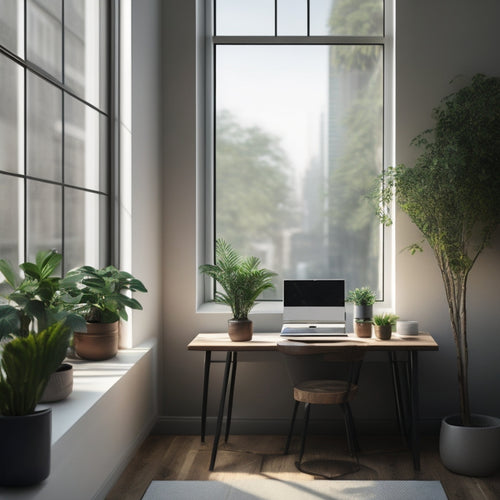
{"type": "Point", "coordinates": [314, 301]}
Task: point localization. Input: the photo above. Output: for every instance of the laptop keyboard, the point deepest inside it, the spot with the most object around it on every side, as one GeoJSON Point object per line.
{"type": "Point", "coordinates": [311, 331]}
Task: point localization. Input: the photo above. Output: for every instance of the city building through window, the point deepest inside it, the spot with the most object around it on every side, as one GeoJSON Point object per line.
{"type": "Point", "coordinates": [299, 135]}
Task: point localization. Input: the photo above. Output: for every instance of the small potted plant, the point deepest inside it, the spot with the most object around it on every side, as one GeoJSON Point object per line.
{"type": "Point", "coordinates": [242, 281]}
{"type": "Point", "coordinates": [98, 295]}
{"type": "Point", "coordinates": [383, 324]}
{"type": "Point", "coordinates": [34, 303]}
{"type": "Point", "coordinates": [25, 433]}
{"type": "Point", "coordinates": [363, 328]}
{"type": "Point", "coordinates": [363, 299]}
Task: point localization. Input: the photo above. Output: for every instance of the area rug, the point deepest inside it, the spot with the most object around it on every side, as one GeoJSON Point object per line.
{"type": "Point", "coordinates": [272, 489]}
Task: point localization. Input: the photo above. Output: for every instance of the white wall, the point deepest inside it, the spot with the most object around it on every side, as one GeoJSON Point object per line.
{"type": "Point", "coordinates": [435, 42]}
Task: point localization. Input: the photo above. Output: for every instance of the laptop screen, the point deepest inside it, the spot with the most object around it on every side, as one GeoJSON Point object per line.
{"type": "Point", "coordinates": [313, 301]}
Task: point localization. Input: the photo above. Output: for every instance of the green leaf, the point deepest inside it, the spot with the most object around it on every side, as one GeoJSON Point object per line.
{"type": "Point", "coordinates": [10, 276]}
{"type": "Point", "coordinates": [10, 321]}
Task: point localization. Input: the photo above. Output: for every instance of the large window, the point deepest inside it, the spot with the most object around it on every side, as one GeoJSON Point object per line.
{"type": "Point", "coordinates": [55, 166]}
{"type": "Point", "coordinates": [298, 106]}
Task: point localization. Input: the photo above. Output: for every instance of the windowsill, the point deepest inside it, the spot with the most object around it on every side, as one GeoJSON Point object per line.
{"type": "Point", "coordinates": [91, 381]}
{"type": "Point", "coordinates": [274, 307]}
{"type": "Point", "coordinates": [265, 307]}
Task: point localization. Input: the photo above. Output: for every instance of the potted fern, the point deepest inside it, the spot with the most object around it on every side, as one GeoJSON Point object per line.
{"type": "Point", "coordinates": [99, 296]}
{"type": "Point", "coordinates": [363, 299]}
{"type": "Point", "coordinates": [242, 281]}
{"type": "Point", "coordinates": [383, 324]}
{"type": "Point", "coordinates": [26, 364]}
{"type": "Point", "coordinates": [451, 194]}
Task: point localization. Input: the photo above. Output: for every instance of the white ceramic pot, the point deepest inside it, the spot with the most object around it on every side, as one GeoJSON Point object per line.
{"type": "Point", "coordinates": [60, 385]}
{"type": "Point", "coordinates": [471, 451]}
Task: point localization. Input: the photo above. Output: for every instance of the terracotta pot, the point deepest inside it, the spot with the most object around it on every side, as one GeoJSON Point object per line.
{"type": "Point", "coordinates": [472, 451]}
{"type": "Point", "coordinates": [99, 342]}
{"type": "Point", "coordinates": [60, 385]}
{"type": "Point", "coordinates": [363, 330]}
{"type": "Point", "coordinates": [240, 330]}
{"type": "Point", "coordinates": [383, 332]}
{"type": "Point", "coordinates": [26, 446]}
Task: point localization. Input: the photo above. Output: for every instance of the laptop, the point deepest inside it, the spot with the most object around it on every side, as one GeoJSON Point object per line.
{"type": "Point", "coordinates": [313, 308]}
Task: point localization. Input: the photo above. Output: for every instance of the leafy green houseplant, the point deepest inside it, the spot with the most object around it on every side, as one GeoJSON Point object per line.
{"type": "Point", "coordinates": [25, 367]}
{"type": "Point", "coordinates": [363, 299]}
{"type": "Point", "coordinates": [99, 295]}
{"type": "Point", "coordinates": [451, 194]}
{"type": "Point", "coordinates": [242, 281]}
{"type": "Point", "coordinates": [382, 325]}
{"type": "Point", "coordinates": [34, 301]}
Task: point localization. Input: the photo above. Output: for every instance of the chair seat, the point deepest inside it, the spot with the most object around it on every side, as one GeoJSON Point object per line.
{"type": "Point", "coordinates": [324, 392]}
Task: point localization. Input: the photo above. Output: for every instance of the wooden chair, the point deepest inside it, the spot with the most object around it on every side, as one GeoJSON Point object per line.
{"type": "Point", "coordinates": [326, 392]}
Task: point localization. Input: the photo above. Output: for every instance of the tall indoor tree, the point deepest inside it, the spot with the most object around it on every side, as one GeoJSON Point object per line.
{"type": "Point", "coordinates": [452, 195]}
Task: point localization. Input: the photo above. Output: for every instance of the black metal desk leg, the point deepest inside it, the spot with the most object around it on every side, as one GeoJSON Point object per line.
{"type": "Point", "coordinates": [231, 394]}
{"type": "Point", "coordinates": [396, 383]}
{"type": "Point", "coordinates": [220, 416]}
{"type": "Point", "coordinates": [415, 447]}
{"type": "Point", "coordinates": [208, 360]}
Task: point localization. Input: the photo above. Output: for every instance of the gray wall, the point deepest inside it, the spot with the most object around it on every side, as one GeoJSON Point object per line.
{"type": "Point", "coordinates": [435, 42]}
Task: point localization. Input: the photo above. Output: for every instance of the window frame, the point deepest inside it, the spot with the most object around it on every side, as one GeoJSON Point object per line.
{"type": "Point", "coordinates": [111, 253]}
{"type": "Point", "coordinates": [206, 146]}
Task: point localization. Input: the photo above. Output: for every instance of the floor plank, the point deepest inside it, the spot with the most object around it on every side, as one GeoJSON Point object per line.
{"type": "Point", "coordinates": [164, 457]}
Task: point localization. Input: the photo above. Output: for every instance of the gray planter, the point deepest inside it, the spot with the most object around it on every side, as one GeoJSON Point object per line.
{"type": "Point", "coordinates": [471, 451]}
{"type": "Point", "coordinates": [363, 312]}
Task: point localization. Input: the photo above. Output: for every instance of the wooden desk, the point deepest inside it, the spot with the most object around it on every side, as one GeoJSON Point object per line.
{"type": "Point", "coordinates": [407, 419]}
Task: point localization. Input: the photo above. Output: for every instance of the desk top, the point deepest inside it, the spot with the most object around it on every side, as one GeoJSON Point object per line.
{"type": "Point", "coordinates": [269, 342]}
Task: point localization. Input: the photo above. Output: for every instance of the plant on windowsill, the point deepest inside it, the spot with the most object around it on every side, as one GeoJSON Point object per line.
{"type": "Point", "coordinates": [242, 281]}
{"type": "Point", "coordinates": [26, 364]}
{"type": "Point", "coordinates": [34, 303]}
{"type": "Point", "coordinates": [383, 324]}
{"type": "Point", "coordinates": [451, 195]}
{"type": "Point", "coordinates": [363, 299]}
{"type": "Point", "coordinates": [98, 295]}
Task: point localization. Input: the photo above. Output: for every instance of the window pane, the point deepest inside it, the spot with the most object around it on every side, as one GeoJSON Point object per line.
{"type": "Point", "coordinates": [44, 134]}
{"type": "Point", "coordinates": [85, 49]}
{"type": "Point", "coordinates": [11, 116]}
{"type": "Point", "coordinates": [44, 210]}
{"type": "Point", "coordinates": [85, 230]}
{"type": "Point", "coordinates": [292, 17]}
{"type": "Point", "coordinates": [11, 25]}
{"type": "Point", "coordinates": [299, 139]}
{"type": "Point", "coordinates": [12, 220]}
{"type": "Point", "coordinates": [44, 33]}
{"type": "Point", "coordinates": [347, 17]}
{"type": "Point", "coordinates": [85, 151]}
{"type": "Point", "coordinates": [241, 17]}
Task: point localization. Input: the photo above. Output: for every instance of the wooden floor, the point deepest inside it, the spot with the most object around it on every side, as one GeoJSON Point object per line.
{"type": "Point", "coordinates": [164, 457]}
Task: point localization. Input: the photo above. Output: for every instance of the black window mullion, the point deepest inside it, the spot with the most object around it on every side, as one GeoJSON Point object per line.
{"type": "Point", "coordinates": [275, 17]}
{"type": "Point", "coordinates": [25, 161]}
{"type": "Point", "coordinates": [308, 17]}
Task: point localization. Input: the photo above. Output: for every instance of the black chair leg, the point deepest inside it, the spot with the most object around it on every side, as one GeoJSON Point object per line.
{"type": "Point", "coordinates": [348, 430]}
{"type": "Point", "coordinates": [292, 423]}
{"type": "Point", "coordinates": [304, 432]}
{"type": "Point", "coordinates": [353, 428]}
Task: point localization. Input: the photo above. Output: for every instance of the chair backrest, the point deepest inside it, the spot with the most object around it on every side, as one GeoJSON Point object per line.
{"type": "Point", "coordinates": [330, 352]}
{"type": "Point", "coordinates": [310, 361]}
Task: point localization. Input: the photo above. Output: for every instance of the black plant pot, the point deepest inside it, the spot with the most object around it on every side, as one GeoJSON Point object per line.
{"type": "Point", "coordinates": [25, 448]}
